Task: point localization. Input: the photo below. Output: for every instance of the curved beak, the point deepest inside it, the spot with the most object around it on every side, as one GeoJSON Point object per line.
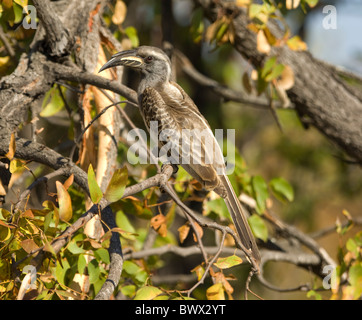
{"type": "Point", "coordinates": [128, 58]}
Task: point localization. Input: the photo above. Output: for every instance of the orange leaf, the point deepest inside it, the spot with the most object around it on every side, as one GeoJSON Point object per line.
{"type": "Point", "coordinates": [120, 12]}
{"type": "Point", "coordinates": [159, 224]}
{"type": "Point", "coordinates": [28, 214]}
{"type": "Point", "coordinates": [68, 182]}
{"type": "Point", "coordinates": [262, 43]}
{"type": "Point", "coordinates": [12, 147]}
{"type": "Point", "coordinates": [65, 203]}
{"type": "Point", "coordinates": [199, 230]}
{"type": "Point", "coordinates": [286, 79]}
{"type": "Point", "coordinates": [29, 245]}
{"type": "Point", "coordinates": [183, 232]}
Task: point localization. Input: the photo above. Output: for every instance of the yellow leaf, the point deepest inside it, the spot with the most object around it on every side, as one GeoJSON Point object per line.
{"type": "Point", "coordinates": [5, 234]}
{"type": "Point", "coordinates": [16, 165]}
{"type": "Point", "coordinates": [147, 293]}
{"type": "Point", "coordinates": [65, 203]}
{"type": "Point", "coordinates": [228, 262]}
{"type": "Point", "coordinates": [297, 44]}
{"type": "Point", "coordinates": [120, 12]}
{"type": "Point", "coordinates": [199, 270]}
{"type": "Point", "coordinates": [4, 64]}
{"type": "Point", "coordinates": [243, 3]}
{"type": "Point", "coordinates": [117, 185]}
{"type": "Point", "coordinates": [292, 4]}
{"type": "Point", "coordinates": [215, 292]}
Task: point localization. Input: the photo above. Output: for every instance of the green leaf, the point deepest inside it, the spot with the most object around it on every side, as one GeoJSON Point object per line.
{"type": "Point", "coordinates": [117, 185]}
{"type": "Point", "coordinates": [131, 268]}
{"type": "Point", "coordinates": [22, 3]}
{"type": "Point", "coordinates": [228, 262]}
{"type": "Point", "coordinates": [93, 271]}
{"type": "Point", "coordinates": [18, 12]}
{"type": "Point", "coordinates": [258, 227]}
{"type": "Point", "coordinates": [355, 279]}
{"type": "Point", "coordinates": [50, 207]}
{"type": "Point", "coordinates": [73, 248]}
{"type": "Point", "coordinates": [219, 207]}
{"type": "Point", "coordinates": [131, 33]}
{"type": "Point", "coordinates": [282, 189]}
{"type": "Point", "coordinates": [275, 73]}
{"type": "Point", "coordinates": [82, 263]}
{"type": "Point", "coordinates": [61, 270]}
{"type": "Point", "coordinates": [52, 103]}
{"type": "Point", "coordinates": [65, 203]}
{"type": "Point", "coordinates": [94, 189]}
{"type": "Point", "coordinates": [123, 223]}
{"type": "Point", "coordinates": [129, 290]}
{"type": "Point", "coordinates": [197, 25]}
{"type": "Point", "coordinates": [260, 191]}
{"type": "Point", "coordinates": [313, 293]}
{"type": "Point", "coordinates": [141, 277]}
{"type": "Point", "coordinates": [255, 10]}
{"type": "Point", "coordinates": [268, 66]}
{"type": "Point", "coordinates": [312, 3]}
{"type": "Point", "coordinates": [147, 293]}
{"type": "Point", "coordinates": [102, 255]}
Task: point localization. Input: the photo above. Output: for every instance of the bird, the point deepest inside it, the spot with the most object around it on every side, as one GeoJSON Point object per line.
{"type": "Point", "coordinates": [164, 102]}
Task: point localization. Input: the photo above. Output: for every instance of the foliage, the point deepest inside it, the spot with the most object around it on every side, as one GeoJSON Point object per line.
{"type": "Point", "coordinates": [80, 268]}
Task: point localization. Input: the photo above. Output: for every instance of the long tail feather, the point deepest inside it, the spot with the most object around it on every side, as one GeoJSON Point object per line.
{"type": "Point", "coordinates": [239, 218]}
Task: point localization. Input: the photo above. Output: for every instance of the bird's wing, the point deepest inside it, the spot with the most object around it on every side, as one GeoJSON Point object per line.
{"type": "Point", "coordinates": [206, 150]}
{"type": "Point", "coordinates": [200, 154]}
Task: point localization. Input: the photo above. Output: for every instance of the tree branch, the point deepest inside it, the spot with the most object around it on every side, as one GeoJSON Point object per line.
{"type": "Point", "coordinates": [57, 37]}
{"type": "Point", "coordinates": [318, 93]}
{"type": "Point", "coordinates": [223, 91]}
{"type": "Point", "coordinates": [63, 72]}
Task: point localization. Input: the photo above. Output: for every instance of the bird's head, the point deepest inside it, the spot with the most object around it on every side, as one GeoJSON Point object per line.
{"type": "Point", "coordinates": [152, 62]}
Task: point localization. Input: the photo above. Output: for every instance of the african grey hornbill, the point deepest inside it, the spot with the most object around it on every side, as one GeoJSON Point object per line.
{"type": "Point", "coordinates": [165, 102]}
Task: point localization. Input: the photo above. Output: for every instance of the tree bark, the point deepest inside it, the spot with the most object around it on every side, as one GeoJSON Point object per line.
{"type": "Point", "coordinates": [319, 93]}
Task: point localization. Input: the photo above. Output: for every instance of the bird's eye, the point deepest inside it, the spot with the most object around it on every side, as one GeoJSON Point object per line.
{"type": "Point", "coordinates": [149, 59]}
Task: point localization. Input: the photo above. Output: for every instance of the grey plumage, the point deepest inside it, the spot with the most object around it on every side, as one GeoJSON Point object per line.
{"type": "Point", "coordinates": [167, 103]}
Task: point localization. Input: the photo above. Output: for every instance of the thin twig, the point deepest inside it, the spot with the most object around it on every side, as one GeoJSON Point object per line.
{"type": "Point", "coordinates": [77, 141]}
{"type": "Point", "coordinates": [6, 43]}
{"type": "Point", "coordinates": [209, 264]}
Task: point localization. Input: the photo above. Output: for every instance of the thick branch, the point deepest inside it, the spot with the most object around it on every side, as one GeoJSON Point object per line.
{"type": "Point", "coordinates": [318, 92]}
{"type": "Point", "coordinates": [62, 72]}
{"type": "Point", "coordinates": [57, 37]}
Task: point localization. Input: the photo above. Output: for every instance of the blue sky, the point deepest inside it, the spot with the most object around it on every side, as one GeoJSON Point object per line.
{"type": "Point", "coordinates": [343, 45]}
